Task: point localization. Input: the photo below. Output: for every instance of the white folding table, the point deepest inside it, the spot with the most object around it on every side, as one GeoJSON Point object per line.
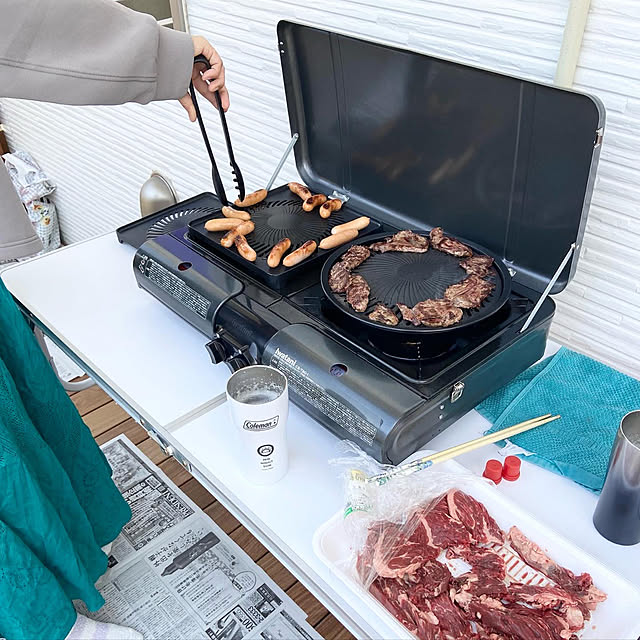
{"type": "Point", "coordinates": [155, 366]}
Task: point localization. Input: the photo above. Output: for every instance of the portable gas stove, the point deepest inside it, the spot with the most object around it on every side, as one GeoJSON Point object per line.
{"type": "Point", "coordinates": [505, 164]}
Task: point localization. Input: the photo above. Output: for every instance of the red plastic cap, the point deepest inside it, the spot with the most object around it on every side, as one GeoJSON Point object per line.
{"type": "Point", "coordinates": [493, 470]}
{"type": "Point", "coordinates": [511, 469]}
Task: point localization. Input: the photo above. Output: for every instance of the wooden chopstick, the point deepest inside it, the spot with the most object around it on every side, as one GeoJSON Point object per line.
{"type": "Point", "coordinates": [502, 434]}
{"type": "Point", "coordinates": [447, 454]}
{"type": "Point", "coordinates": [488, 438]}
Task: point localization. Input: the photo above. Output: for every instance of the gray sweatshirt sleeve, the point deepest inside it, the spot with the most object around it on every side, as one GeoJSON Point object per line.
{"type": "Point", "coordinates": [17, 237]}
{"type": "Point", "coordinates": [81, 52]}
{"type": "Point", "coordinates": [89, 52]}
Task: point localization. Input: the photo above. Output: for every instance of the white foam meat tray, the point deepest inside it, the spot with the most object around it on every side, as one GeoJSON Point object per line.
{"type": "Point", "coordinates": [618, 618]}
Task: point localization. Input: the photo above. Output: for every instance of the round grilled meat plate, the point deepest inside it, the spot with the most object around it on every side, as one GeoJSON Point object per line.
{"type": "Point", "coordinates": [408, 278]}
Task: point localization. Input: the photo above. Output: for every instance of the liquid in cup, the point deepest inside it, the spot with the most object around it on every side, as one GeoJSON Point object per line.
{"type": "Point", "coordinates": [258, 401]}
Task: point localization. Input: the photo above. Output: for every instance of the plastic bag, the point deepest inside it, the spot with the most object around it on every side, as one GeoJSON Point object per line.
{"type": "Point", "coordinates": [30, 181]}
{"type": "Point", "coordinates": [432, 548]}
{"type": "Point", "coordinates": [33, 187]}
{"type": "Point", "coordinates": [44, 218]}
{"type": "Point", "coordinates": [382, 519]}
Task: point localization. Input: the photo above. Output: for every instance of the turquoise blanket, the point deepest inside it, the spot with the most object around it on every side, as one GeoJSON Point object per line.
{"type": "Point", "coordinates": [591, 398]}
{"type": "Point", "coordinates": [58, 504]}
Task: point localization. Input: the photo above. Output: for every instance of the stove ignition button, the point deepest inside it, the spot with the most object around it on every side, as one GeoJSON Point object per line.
{"type": "Point", "coordinates": [456, 392]}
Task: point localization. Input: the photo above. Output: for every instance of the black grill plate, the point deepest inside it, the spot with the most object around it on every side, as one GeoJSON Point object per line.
{"type": "Point", "coordinates": [409, 278]}
{"type": "Point", "coordinates": [277, 217]}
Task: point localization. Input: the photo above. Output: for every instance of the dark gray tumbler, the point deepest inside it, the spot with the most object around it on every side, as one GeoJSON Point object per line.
{"type": "Point", "coordinates": [617, 514]}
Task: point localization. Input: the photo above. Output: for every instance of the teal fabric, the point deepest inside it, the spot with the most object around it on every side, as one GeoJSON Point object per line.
{"type": "Point", "coordinates": [58, 504]}
{"type": "Point", "coordinates": [591, 398]}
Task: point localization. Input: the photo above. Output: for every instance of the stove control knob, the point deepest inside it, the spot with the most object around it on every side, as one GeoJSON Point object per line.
{"type": "Point", "coordinates": [457, 391]}
{"type": "Point", "coordinates": [237, 362]}
{"type": "Point", "coordinates": [217, 351]}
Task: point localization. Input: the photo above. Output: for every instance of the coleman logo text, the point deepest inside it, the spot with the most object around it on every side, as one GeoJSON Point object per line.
{"type": "Point", "coordinates": [261, 425]}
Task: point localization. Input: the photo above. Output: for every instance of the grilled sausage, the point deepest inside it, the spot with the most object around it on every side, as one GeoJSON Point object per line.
{"type": "Point", "coordinates": [358, 223]}
{"type": "Point", "coordinates": [244, 228]}
{"type": "Point", "coordinates": [229, 212]}
{"type": "Point", "coordinates": [300, 254]}
{"type": "Point", "coordinates": [335, 204]}
{"type": "Point", "coordinates": [336, 239]}
{"type": "Point", "coordinates": [277, 252]}
{"type": "Point", "coordinates": [311, 203]}
{"type": "Point", "coordinates": [252, 198]}
{"type": "Point", "coordinates": [300, 190]}
{"type": "Point", "coordinates": [244, 249]}
{"type": "Point", "coordinates": [222, 224]}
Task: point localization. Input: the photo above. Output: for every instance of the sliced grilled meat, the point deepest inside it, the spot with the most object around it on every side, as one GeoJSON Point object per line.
{"type": "Point", "coordinates": [406, 241]}
{"type": "Point", "coordinates": [407, 314]}
{"type": "Point", "coordinates": [358, 293]}
{"type": "Point", "coordinates": [355, 256]}
{"type": "Point", "coordinates": [384, 315]}
{"type": "Point", "coordinates": [448, 245]}
{"type": "Point", "coordinates": [431, 313]}
{"type": "Point", "coordinates": [470, 293]}
{"type": "Point", "coordinates": [477, 265]}
{"type": "Point", "coordinates": [339, 277]}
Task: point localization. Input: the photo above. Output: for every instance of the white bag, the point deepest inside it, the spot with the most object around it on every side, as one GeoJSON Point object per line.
{"type": "Point", "coordinates": [44, 218]}
{"type": "Point", "coordinates": [33, 187]}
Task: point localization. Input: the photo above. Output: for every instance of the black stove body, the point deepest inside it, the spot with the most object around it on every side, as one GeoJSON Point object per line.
{"type": "Point", "coordinates": [390, 405]}
{"type": "Point", "coordinates": [505, 163]}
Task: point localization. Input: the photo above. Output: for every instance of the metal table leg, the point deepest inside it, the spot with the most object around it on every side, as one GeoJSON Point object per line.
{"type": "Point", "coordinates": [68, 386]}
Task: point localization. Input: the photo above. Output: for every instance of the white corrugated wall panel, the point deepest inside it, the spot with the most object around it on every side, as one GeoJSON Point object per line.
{"type": "Point", "coordinates": [99, 156]}
{"type": "Point", "coordinates": [599, 313]}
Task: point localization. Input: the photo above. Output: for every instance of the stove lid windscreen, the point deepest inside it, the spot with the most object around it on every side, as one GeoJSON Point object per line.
{"type": "Point", "coordinates": [419, 142]}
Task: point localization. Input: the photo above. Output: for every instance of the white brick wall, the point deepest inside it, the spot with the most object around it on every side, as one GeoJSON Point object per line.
{"type": "Point", "coordinates": [99, 156]}
{"type": "Point", "coordinates": [599, 313]}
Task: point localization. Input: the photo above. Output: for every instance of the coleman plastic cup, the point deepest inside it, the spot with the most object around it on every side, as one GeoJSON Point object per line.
{"type": "Point", "coordinates": [258, 400]}
{"type": "Point", "coordinates": [617, 515]}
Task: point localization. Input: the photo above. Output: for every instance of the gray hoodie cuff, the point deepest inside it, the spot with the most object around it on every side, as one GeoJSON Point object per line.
{"type": "Point", "coordinates": [20, 248]}
{"type": "Point", "coordinates": [175, 63]}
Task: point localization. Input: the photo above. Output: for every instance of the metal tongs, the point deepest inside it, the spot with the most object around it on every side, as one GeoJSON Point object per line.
{"type": "Point", "coordinates": [215, 174]}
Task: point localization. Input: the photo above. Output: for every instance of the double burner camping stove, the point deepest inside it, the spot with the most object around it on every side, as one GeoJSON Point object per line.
{"type": "Point", "coordinates": [503, 164]}
{"type": "Point", "coordinates": [390, 394]}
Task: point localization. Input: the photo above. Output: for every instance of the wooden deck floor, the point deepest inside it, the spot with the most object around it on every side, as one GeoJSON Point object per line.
{"type": "Point", "coordinates": [107, 420]}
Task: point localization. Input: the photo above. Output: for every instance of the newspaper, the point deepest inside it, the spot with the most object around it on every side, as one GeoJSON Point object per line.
{"type": "Point", "coordinates": [285, 627]}
{"type": "Point", "coordinates": [175, 574]}
{"type": "Point", "coordinates": [157, 505]}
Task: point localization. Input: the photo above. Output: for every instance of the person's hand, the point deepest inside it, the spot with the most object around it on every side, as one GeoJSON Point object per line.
{"type": "Point", "coordinates": [215, 76]}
